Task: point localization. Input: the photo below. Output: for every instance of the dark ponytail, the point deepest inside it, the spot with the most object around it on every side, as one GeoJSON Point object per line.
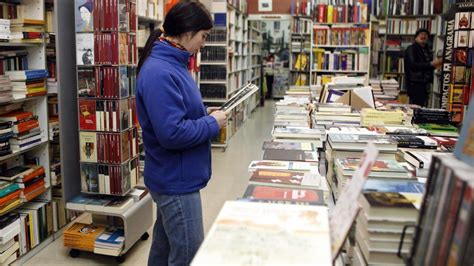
{"type": "Point", "coordinates": [185, 16]}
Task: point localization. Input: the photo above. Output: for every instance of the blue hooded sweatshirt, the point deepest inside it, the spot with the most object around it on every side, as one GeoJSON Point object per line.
{"type": "Point", "coordinates": [177, 131]}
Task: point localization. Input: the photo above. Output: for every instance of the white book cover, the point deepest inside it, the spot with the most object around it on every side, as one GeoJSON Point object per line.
{"type": "Point", "coordinates": [85, 49]}
{"type": "Point", "coordinates": [250, 233]}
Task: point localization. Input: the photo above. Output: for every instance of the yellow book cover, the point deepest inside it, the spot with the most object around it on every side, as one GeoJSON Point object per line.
{"type": "Point", "coordinates": [330, 13]}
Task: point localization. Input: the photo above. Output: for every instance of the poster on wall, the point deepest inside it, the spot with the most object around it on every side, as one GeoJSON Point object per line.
{"type": "Point", "coordinates": [265, 5]}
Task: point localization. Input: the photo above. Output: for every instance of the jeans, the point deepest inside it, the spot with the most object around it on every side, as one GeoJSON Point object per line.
{"type": "Point", "coordinates": [178, 231]}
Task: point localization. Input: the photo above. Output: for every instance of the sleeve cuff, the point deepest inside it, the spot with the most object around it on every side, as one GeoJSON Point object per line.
{"type": "Point", "coordinates": [213, 126]}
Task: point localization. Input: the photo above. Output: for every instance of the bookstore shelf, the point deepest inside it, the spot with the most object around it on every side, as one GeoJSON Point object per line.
{"type": "Point", "coordinates": [23, 100]}
{"type": "Point", "coordinates": [16, 153]}
{"type": "Point", "coordinates": [8, 44]}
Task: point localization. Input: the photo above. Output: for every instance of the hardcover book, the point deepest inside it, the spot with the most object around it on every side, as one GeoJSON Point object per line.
{"type": "Point", "coordinates": [87, 114]}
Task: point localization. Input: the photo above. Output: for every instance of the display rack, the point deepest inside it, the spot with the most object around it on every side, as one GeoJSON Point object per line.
{"type": "Point", "coordinates": [106, 113]}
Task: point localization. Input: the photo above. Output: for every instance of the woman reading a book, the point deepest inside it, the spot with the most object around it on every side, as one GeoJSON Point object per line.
{"type": "Point", "coordinates": [177, 132]}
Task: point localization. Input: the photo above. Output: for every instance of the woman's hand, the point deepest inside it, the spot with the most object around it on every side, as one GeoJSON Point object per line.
{"type": "Point", "coordinates": [221, 118]}
{"type": "Point", "coordinates": [212, 109]}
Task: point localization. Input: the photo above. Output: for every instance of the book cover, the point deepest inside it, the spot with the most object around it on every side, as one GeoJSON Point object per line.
{"type": "Point", "coordinates": [123, 15]}
{"type": "Point", "coordinates": [124, 114]}
{"type": "Point", "coordinates": [85, 49]}
{"type": "Point", "coordinates": [254, 232]}
{"type": "Point", "coordinates": [464, 149]}
{"type": "Point", "coordinates": [284, 195]}
{"type": "Point", "coordinates": [124, 82]}
{"type": "Point", "coordinates": [388, 200]}
{"type": "Point", "coordinates": [89, 178]}
{"type": "Point", "coordinates": [87, 114]}
{"type": "Point", "coordinates": [88, 146]}
{"type": "Point", "coordinates": [293, 155]}
{"type": "Point", "coordinates": [86, 83]}
{"type": "Point", "coordinates": [399, 186]}
{"type": "Point", "coordinates": [462, 20]}
{"type": "Point", "coordinates": [285, 178]}
{"type": "Point", "coordinates": [379, 165]}
{"type": "Point", "coordinates": [275, 145]}
{"type": "Point", "coordinates": [83, 11]}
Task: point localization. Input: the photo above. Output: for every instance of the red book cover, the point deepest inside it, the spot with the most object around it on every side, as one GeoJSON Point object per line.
{"type": "Point", "coordinates": [37, 172]}
{"type": "Point", "coordinates": [9, 198]}
{"type": "Point", "coordinates": [87, 111]}
{"type": "Point", "coordinates": [33, 186]}
{"type": "Point", "coordinates": [25, 126]}
{"type": "Point", "coordinates": [15, 116]}
{"type": "Point", "coordinates": [321, 13]}
{"type": "Point", "coordinates": [284, 195]}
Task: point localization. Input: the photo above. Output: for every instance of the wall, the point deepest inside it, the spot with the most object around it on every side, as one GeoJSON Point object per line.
{"type": "Point", "coordinates": [279, 7]}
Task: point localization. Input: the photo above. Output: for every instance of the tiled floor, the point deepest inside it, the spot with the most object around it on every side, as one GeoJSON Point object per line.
{"type": "Point", "coordinates": [228, 182]}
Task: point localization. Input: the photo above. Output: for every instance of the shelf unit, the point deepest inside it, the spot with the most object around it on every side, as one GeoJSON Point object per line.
{"type": "Point", "coordinates": [396, 32]}
{"type": "Point", "coordinates": [36, 57]}
{"type": "Point", "coordinates": [225, 64]}
{"type": "Point", "coordinates": [300, 51]}
{"type": "Point", "coordinates": [334, 53]}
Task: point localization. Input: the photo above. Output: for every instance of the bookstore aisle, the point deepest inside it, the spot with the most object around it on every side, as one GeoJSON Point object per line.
{"type": "Point", "coordinates": [229, 181]}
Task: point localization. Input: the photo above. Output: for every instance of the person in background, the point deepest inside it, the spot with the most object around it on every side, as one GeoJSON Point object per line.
{"type": "Point", "coordinates": [177, 131]}
{"type": "Point", "coordinates": [419, 67]}
{"type": "Point", "coordinates": [269, 65]}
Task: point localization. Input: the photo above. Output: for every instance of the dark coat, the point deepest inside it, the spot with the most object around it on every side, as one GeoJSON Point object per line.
{"type": "Point", "coordinates": [417, 67]}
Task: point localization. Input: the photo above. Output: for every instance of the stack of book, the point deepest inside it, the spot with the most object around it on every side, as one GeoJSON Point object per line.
{"type": "Point", "coordinates": [6, 133]}
{"type": "Point", "coordinates": [27, 31]}
{"type": "Point", "coordinates": [9, 230]}
{"type": "Point", "coordinates": [32, 182]}
{"type": "Point", "coordinates": [382, 169]}
{"type": "Point", "coordinates": [4, 30]}
{"type": "Point", "coordinates": [431, 116]}
{"type": "Point", "coordinates": [26, 130]}
{"type": "Point", "coordinates": [371, 117]}
{"type": "Point", "coordinates": [390, 87]}
{"type": "Point", "coordinates": [28, 83]}
{"type": "Point", "coordinates": [82, 236]}
{"type": "Point", "coordinates": [301, 134]}
{"type": "Point", "coordinates": [5, 87]}
{"type": "Point", "coordinates": [110, 242]}
{"type": "Point", "coordinates": [381, 220]}
{"type": "Point", "coordinates": [443, 130]}
{"type": "Point", "coordinates": [9, 196]}
{"type": "Point", "coordinates": [420, 160]}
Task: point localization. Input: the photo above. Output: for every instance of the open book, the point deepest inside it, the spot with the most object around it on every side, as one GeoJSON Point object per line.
{"type": "Point", "coordinates": [241, 95]}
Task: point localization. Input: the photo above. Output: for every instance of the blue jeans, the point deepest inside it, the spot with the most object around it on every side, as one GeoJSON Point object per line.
{"type": "Point", "coordinates": [178, 231]}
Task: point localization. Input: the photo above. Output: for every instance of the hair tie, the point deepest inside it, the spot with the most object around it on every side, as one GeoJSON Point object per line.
{"type": "Point", "coordinates": [162, 29]}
